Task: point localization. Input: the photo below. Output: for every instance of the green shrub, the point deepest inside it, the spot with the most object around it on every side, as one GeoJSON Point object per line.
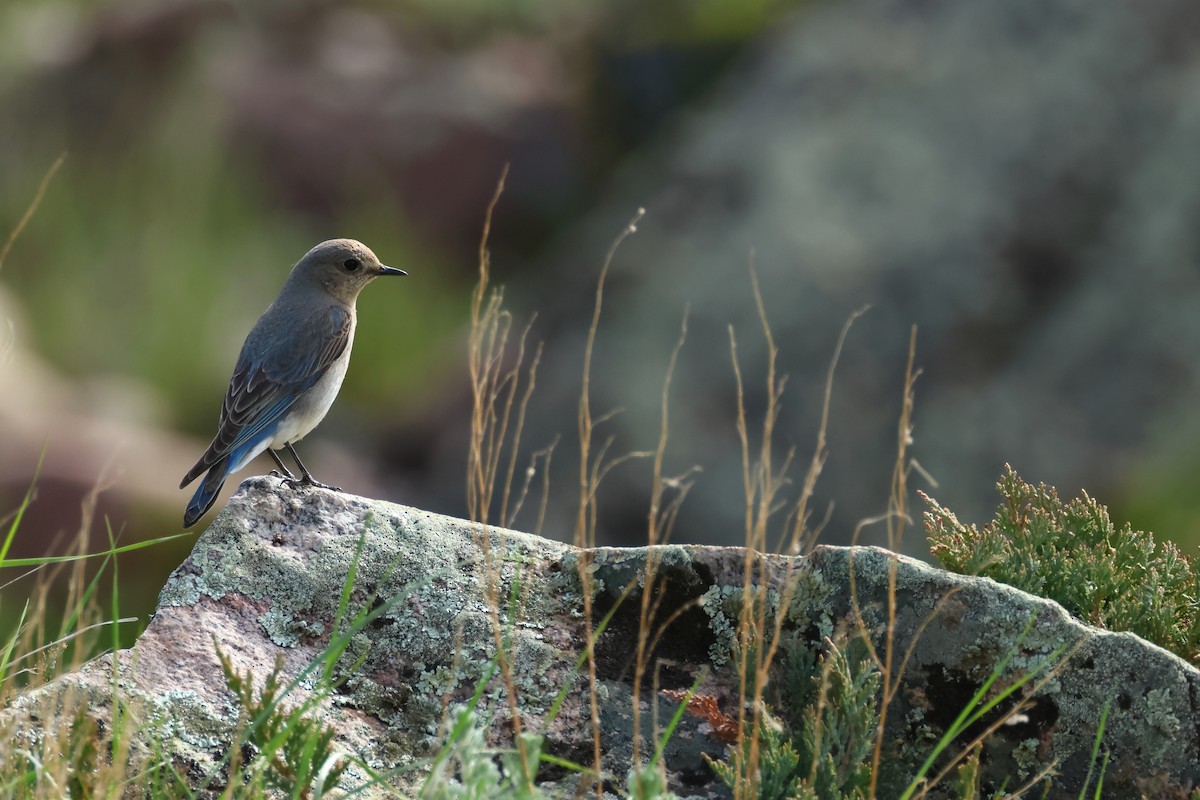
{"type": "Point", "coordinates": [1114, 578]}
{"type": "Point", "coordinates": [821, 748]}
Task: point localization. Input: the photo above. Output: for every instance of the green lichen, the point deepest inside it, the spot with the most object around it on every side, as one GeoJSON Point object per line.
{"type": "Point", "coordinates": [181, 590]}
{"type": "Point", "coordinates": [723, 606]}
{"type": "Point", "coordinates": [1161, 712]}
{"type": "Point", "coordinates": [185, 717]}
{"type": "Point", "coordinates": [808, 608]}
{"type": "Point", "coordinates": [286, 630]}
{"type": "Point", "coordinates": [810, 601]}
{"type": "Point", "coordinates": [1025, 756]}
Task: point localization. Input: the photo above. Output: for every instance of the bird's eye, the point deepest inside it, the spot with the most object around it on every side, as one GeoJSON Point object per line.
{"type": "Point", "coordinates": [351, 264]}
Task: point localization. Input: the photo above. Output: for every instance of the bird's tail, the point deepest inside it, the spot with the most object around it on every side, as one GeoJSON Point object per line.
{"type": "Point", "coordinates": [206, 492]}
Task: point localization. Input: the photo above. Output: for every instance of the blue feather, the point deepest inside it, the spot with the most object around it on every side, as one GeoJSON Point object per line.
{"type": "Point", "coordinates": [210, 487]}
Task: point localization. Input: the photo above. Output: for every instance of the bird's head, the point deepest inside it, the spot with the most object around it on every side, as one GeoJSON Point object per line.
{"type": "Point", "coordinates": [342, 267]}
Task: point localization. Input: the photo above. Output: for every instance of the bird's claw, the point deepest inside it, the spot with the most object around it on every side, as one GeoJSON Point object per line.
{"type": "Point", "coordinates": [308, 480]}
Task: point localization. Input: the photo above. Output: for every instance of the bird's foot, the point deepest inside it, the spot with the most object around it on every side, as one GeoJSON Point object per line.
{"type": "Point", "coordinates": [285, 477]}
{"type": "Point", "coordinates": [309, 480]}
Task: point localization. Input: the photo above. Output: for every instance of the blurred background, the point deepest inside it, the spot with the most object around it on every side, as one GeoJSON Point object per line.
{"type": "Point", "coordinates": [1020, 180]}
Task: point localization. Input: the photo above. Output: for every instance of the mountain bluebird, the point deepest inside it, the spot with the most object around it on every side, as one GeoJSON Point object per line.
{"type": "Point", "coordinates": [290, 369]}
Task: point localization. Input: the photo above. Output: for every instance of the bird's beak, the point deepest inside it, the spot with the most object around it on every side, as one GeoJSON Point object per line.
{"type": "Point", "coordinates": [390, 271]}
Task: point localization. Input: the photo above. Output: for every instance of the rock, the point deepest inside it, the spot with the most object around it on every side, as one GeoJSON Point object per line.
{"type": "Point", "coordinates": [265, 581]}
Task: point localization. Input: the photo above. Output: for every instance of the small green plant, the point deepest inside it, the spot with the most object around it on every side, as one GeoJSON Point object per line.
{"type": "Point", "coordinates": [778, 762]}
{"type": "Point", "coordinates": [1115, 578]}
{"type": "Point", "coordinates": [466, 769]}
{"type": "Point", "coordinates": [648, 784]}
{"type": "Point", "coordinates": [965, 785]}
{"type": "Point", "coordinates": [296, 752]}
{"type": "Point", "coordinates": [822, 746]}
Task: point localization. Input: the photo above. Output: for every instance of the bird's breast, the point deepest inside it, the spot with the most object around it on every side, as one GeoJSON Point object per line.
{"type": "Point", "coordinates": [313, 405]}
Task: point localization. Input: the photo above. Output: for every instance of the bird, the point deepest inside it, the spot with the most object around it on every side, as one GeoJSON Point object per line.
{"type": "Point", "coordinates": [290, 369]}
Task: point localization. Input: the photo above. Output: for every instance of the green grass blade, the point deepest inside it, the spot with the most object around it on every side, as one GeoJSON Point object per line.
{"type": "Point", "coordinates": [1100, 780]}
{"type": "Point", "coordinates": [678, 715]}
{"type": "Point", "coordinates": [10, 645]}
{"type": "Point", "coordinates": [128, 548]}
{"type": "Point", "coordinates": [1096, 753]}
{"type": "Point", "coordinates": [975, 708]}
{"type": "Point", "coordinates": [569, 680]}
{"type": "Point", "coordinates": [26, 501]}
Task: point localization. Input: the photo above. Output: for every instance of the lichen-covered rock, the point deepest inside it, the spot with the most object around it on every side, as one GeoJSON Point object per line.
{"type": "Point", "coordinates": [266, 580]}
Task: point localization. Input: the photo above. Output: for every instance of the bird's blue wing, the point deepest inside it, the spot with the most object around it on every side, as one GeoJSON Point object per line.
{"type": "Point", "coordinates": [269, 379]}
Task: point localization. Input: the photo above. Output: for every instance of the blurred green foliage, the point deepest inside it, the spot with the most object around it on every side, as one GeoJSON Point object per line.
{"type": "Point", "coordinates": [154, 261]}
{"type": "Point", "coordinates": [1160, 491]}
{"type": "Point", "coordinates": [162, 238]}
{"type": "Point", "coordinates": [634, 23]}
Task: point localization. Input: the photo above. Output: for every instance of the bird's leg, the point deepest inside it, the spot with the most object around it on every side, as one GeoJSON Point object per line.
{"type": "Point", "coordinates": [283, 471]}
{"type": "Point", "coordinates": [306, 477]}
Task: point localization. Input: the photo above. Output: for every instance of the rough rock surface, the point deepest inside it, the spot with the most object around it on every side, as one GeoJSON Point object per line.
{"type": "Point", "coordinates": [266, 577]}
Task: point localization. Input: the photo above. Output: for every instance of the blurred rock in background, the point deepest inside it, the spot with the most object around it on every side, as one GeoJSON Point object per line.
{"type": "Point", "coordinates": [1018, 180]}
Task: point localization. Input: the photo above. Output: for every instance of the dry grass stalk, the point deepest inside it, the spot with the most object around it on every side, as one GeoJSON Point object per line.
{"type": "Point", "coordinates": [494, 390]}
{"type": "Point", "coordinates": [660, 522]}
{"type": "Point", "coordinates": [31, 208]}
{"type": "Point", "coordinates": [762, 482]}
{"type": "Point", "coordinates": [896, 519]}
{"type": "Point", "coordinates": [591, 473]}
